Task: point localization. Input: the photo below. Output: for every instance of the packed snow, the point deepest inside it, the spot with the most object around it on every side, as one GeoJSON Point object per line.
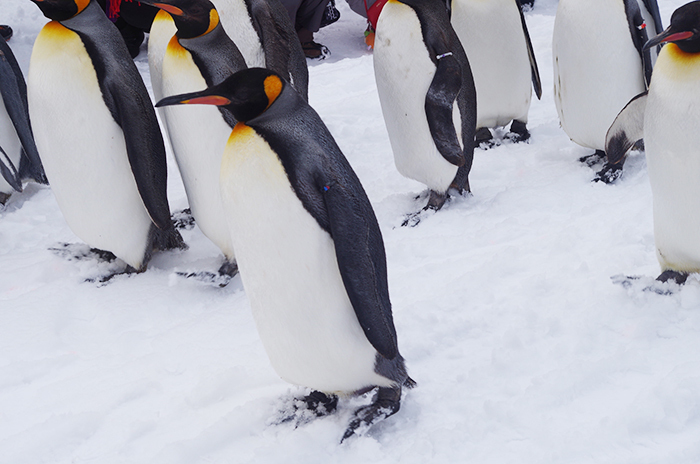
{"type": "Point", "coordinates": [524, 349]}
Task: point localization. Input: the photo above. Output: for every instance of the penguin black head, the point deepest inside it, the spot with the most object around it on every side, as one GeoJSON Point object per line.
{"type": "Point", "coordinates": [684, 30]}
{"type": "Point", "coordinates": [246, 94]}
{"type": "Point", "coordinates": [60, 10]}
{"type": "Point", "coordinates": [193, 18]}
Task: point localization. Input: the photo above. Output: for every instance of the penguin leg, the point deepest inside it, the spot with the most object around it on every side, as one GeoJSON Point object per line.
{"type": "Point", "coordinates": [435, 201]}
{"type": "Point", "coordinates": [228, 268]}
{"type": "Point", "coordinates": [609, 174]}
{"type": "Point", "coordinates": [675, 276]}
{"type": "Point", "coordinates": [596, 158]}
{"type": "Point", "coordinates": [483, 138]}
{"type": "Point", "coordinates": [315, 404]}
{"type": "Point", "coordinates": [518, 132]}
{"type": "Point", "coordinates": [386, 403]}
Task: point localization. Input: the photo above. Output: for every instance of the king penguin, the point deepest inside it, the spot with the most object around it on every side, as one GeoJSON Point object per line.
{"type": "Point", "coordinates": [198, 56]}
{"type": "Point", "coordinates": [421, 71]}
{"type": "Point", "coordinates": [667, 118]}
{"type": "Point", "coordinates": [495, 37]}
{"type": "Point", "coordinates": [97, 134]}
{"type": "Point", "coordinates": [262, 32]}
{"type": "Point", "coordinates": [599, 65]}
{"type": "Point", "coordinates": [309, 248]}
{"type": "Point", "coordinates": [19, 158]}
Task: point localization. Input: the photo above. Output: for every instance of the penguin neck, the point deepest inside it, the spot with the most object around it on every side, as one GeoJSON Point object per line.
{"type": "Point", "coordinates": [215, 55]}
{"type": "Point", "coordinates": [91, 18]}
{"type": "Point", "coordinates": [677, 64]}
{"type": "Point", "coordinates": [286, 102]}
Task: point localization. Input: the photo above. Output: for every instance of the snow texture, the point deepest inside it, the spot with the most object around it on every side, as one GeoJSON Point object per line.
{"type": "Point", "coordinates": [523, 347]}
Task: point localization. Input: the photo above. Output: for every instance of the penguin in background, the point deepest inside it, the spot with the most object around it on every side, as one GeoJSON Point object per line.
{"type": "Point", "coordinates": [495, 37]}
{"type": "Point", "coordinates": [198, 56]}
{"type": "Point", "coordinates": [19, 158]}
{"type": "Point", "coordinates": [97, 134]}
{"type": "Point", "coordinates": [309, 248]}
{"type": "Point", "coordinates": [599, 65]}
{"type": "Point", "coordinates": [262, 32]}
{"type": "Point", "coordinates": [427, 95]}
{"type": "Point", "coordinates": [667, 118]}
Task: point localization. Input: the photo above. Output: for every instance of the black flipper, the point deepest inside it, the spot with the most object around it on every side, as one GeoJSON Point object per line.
{"type": "Point", "coordinates": [283, 52]}
{"type": "Point", "coordinates": [13, 90]}
{"type": "Point", "coordinates": [359, 249]}
{"type": "Point", "coordinates": [439, 102]}
{"type": "Point", "coordinates": [536, 81]}
{"type": "Point", "coordinates": [626, 130]}
{"type": "Point", "coordinates": [639, 36]}
{"type": "Point", "coordinates": [653, 8]}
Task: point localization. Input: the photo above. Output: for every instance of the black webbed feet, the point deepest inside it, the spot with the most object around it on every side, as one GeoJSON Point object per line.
{"type": "Point", "coordinates": [675, 276]}
{"type": "Point", "coordinates": [386, 403]}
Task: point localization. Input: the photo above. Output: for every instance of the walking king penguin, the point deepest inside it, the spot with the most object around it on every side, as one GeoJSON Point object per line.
{"type": "Point", "coordinates": [308, 246]}
{"type": "Point", "coordinates": [667, 118]}
{"type": "Point", "coordinates": [200, 55]}
{"type": "Point", "coordinates": [495, 37]}
{"type": "Point", "coordinates": [97, 134]}
{"type": "Point", "coordinates": [421, 71]}
{"type": "Point", "coordinates": [19, 159]}
{"type": "Point", "coordinates": [599, 65]}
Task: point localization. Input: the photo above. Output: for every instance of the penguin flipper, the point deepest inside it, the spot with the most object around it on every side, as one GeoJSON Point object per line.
{"type": "Point", "coordinates": [639, 36]}
{"type": "Point", "coordinates": [439, 102]}
{"type": "Point", "coordinates": [653, 8]}
{"type": "Point", "coordinates": [13, 90]}
{"type": "Point", "coordinates": [361, 259]}
{"type": "Point", "coordinates": [281, 46]}
{"type": "Point", "coordinates": [536, 81]}
{"type": "Point", "coordinates": [626, 130]}
{"type": "Point", "coordinates": [9, 171]}
{"type": "Point", "coordinates": [146, 151]}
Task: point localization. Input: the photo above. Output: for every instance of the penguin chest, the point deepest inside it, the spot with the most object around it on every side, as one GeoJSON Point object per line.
{"type": "Point", "coordinates": [162, 30]}
{"type": "Point", "coordinates": [597, 68]}
{"type": "Point", "coordinates": [82, 148]}
{"type": "Point", "coordinates": [10, 144]}
{"type": "Point", "coordinates": [404, 71]}
{"type": "Point", "coordinates": [198, 134]}
{"type": "Point", "coordinates": [673, 157]}
{"type": "Point", "coordinates": [492, 35]}
{"type": "Point", "coordinates": [290, 274]}
{"type": "Point", "coordinates": [238, 25]}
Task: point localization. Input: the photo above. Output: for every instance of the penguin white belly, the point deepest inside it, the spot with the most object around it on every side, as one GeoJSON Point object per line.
{"type": "Point", "coordinates": [404, 72]}
{"type": "Point", "coordinates": [237, 24]}
{"type": "Point", "coordinates": [198, 134]}
{"type": "Point", "coordinates": [672, 144]}
{"type": "Point", "coordinates": [9, 141]}
{"type": "Point", "coordinates": [492, 35]}
{"type": "Point", "coordinates": [83, 149]}
{"type": "Point", "coordinates": [597, 69]}
{"type": "Point", "coordinates": [162, 30]}
{"type": "Point", "coordinates": [290, 274]}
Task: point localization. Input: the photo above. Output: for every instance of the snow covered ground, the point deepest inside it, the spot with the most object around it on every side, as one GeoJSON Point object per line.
{"type": "Point", "coordinates": [523, 348]}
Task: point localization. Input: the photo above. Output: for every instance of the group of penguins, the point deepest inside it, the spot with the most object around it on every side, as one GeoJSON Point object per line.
{"type": "Point", "coordinates": [267, 183]}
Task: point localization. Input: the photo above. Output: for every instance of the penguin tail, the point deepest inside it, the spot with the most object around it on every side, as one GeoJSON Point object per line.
{"type": "Point", "coordinates": [168, 239]}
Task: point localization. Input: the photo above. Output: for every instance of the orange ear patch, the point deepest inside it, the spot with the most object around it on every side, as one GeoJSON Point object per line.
{"type": "Point", "coordinates": [273, 88]}
{"type": "Point", "coordinates": [213, 20]}
{"type": "Point", "coordinates": [82, 4]}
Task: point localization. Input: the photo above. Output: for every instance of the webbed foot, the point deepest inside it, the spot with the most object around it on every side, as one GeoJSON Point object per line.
{"type": "Point", "coordinates": [596, 158]}
{"type": "Point", "coordinates": [315, 404]}
{"type": "Point", "coordinates": [518, 132]}
{"type": "Point", "coordinates": [386, 403]}
{"type": "Point", "coordinates": [675, 276]}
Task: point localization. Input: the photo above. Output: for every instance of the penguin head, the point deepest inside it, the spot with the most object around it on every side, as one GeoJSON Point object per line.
{"type": "Point", "coordinates": [246, 94]}
{"type": "Point", "coordinates": [60, 10]}
{"type": "Point", "coordinates": [684, 30]}
{"type": "Point", "coordinates": [193, 18]}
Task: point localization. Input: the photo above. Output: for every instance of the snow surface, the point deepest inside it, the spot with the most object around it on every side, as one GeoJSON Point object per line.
{"type": "Point", "coordinates": [523, 348]}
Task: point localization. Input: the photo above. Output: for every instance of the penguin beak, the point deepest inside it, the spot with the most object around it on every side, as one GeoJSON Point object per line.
{"type": "Point", "coordinates": [172, 9]}
{"type": "Point", "coordinates": [195, 98]}
{"type": "Point", "coordinates": [669, 35]}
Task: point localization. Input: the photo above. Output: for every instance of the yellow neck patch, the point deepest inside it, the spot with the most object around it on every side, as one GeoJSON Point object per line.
{"type": "Point", "coordinates": [273, 88]}
{"type": "Point", "coordinates": [676, 63]}
{"type": "Point", "coordinates": [175, 49]}
{"type": "Point", "coordinates": [163, 15]}
{"type": "Point", "coordinates": [240, 134]}
{"type": "Point", "coordinates": [213, 20]}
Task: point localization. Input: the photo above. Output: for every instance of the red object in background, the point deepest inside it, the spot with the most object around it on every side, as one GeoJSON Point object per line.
{"type": "Point", "coordinates": [113, 7]}
{"type": "Point", "coordinates": [373, 12]}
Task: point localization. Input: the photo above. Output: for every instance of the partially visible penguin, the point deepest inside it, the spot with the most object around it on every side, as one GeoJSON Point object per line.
{"type": "Point", "coordinates": [200, 55]}
{"type": "Point", "coordinates": [261, 30]}
{"type": "Point", "coordinates": [427, 95]}
{"type": "Point", "coordinates": [19, 159]}
{"type": "Point", "coordinates": [599, 65]}
{"type": "Point", "coordinates": [495, 37]}
{"type": "Point", "coordinates": [97, 134]}
{"type": "Point", "coordinates": [309, 248]}
{"type": "Point", "coordinates": [667, 118]}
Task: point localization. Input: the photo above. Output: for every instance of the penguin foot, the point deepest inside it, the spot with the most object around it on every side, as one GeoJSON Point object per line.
{"type": "Point", "coordinates": [609, 174]}
{"type": "Point", "coordinates": [303, 410]}
{"type": "Point", "coordinates": [674, 276]}
{"type": "Point", "coordinates": [484, 139]}
{"type": "Point", "coordinates": [216, 279]}
{"type": "Point", "coordinates": [4, 197]}
{"type": "Point", "coordinates": [649, 284]}
{"type": "Point", "coordinates": [81, 251]}
{"type": "Point", "coordinates": [596, 158]}
{"type": "Point", "coordinates": [229, 269]}
{"type": "Point", "coordinates": [182, 219]}
{"type": "Point", "coordinates": [518, 132]}
{"type": "Point", "coordinates": [386, 403]}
